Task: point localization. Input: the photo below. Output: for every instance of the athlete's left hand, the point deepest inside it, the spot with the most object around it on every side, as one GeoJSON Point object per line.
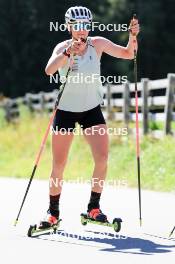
{"type": "Point", "coordinates": [134, 27]}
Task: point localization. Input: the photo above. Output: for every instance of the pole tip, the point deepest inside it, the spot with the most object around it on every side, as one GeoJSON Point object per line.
{"type": "Point", "coordinates": [140, 222]}
{"type": "Point", "coordinates": [15, 223]}
{"type": "Point", "coordinates": [172, 232]}
{"type": "Point", "coordinates": [170, 235]}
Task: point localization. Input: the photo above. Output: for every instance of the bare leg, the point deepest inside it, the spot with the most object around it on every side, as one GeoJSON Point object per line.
{"type": "Point", "coordinates": [60, 149]}
{"type": "Point", "coordinates": [99, 147]}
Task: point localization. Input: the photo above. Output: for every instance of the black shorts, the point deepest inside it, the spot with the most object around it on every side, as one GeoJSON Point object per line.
{"type": "Point", "coordinates": [66, 120]}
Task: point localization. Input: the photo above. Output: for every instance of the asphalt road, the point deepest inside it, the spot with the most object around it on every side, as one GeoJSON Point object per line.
{"type": "Point", "coordinates": [86, 244]}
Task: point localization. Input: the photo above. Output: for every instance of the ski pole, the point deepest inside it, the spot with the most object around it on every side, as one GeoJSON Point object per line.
{"type": "Point", "coordinates": [137, 128]}
{"type": "Point", "coordinates": [42, 146]}
{"type": "Point", "coordinates": [46, 134]}
{"type": "Point", "coordinates": [36, 163]}
{"type": "Point", "coordinates": [172, 232]}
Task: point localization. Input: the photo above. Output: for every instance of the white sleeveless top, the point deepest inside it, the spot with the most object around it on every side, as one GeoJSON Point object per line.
{"type": "Point", "coordinates": [83, 90]}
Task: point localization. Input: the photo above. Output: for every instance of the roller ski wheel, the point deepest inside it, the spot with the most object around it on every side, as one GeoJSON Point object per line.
{"type": "Point", "coordinates": [97, 217]}
{"type": "Point", "coordinates": [31, 230]}
{"type": "Point", "coordinates": [117, 224]}
{"type": "Point", "coordinates": [50, 223]}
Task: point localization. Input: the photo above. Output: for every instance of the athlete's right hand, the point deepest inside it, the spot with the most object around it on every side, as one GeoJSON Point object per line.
{"type": "Point", "coordinates": [75, 47]}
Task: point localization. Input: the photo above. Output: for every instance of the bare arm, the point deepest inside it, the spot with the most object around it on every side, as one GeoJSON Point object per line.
{"type": "Point", "coordinates": [104, 45]}
{"type": "Point", "coordinates": [58, 59]}
{"type": "Point", "coordinates": [115, 50]}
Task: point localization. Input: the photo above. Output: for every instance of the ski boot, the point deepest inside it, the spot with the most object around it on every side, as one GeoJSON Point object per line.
{"type": "Point", "coordinates": [95, 216]}
{"type": "Point", "coordinates": [49, 223]}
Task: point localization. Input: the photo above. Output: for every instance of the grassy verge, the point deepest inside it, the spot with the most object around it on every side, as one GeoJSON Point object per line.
{"type": "Point", "coordinates": [20, 143]}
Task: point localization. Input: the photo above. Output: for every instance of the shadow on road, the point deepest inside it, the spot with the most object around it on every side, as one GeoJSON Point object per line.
{"type": "Point", "coordinates": [118, 243]}
{"type": "Point", "coordinates": [133, 245]}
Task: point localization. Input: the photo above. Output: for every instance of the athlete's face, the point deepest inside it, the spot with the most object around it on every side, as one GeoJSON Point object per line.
{"type": "Point", "coordinates": [80, 34]}
{"type": "Point", "coordinates": [80, 30]}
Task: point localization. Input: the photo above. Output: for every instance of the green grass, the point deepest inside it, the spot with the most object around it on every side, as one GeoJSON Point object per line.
{"type": "Point", "coordinates": [19, 145]}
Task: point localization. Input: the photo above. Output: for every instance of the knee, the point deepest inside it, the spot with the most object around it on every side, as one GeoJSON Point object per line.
{"type": "Point", "coordinates": [101, 158]}
{"type": "Point", "coordinates": [59, 163]}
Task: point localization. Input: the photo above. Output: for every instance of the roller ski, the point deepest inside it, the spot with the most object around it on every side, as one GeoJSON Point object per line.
{"type": "Point", "coordinates": [49, 223]}
{"type": "Point", "coordinates": [95, 216]}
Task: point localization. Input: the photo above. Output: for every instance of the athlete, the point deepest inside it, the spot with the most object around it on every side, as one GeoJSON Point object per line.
{"type": "Point", "coordinates": [80, 103]}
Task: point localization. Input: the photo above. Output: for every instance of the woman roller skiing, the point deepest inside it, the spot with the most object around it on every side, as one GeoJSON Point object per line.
{"type": "Point", "coordinates": [80, 103]}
